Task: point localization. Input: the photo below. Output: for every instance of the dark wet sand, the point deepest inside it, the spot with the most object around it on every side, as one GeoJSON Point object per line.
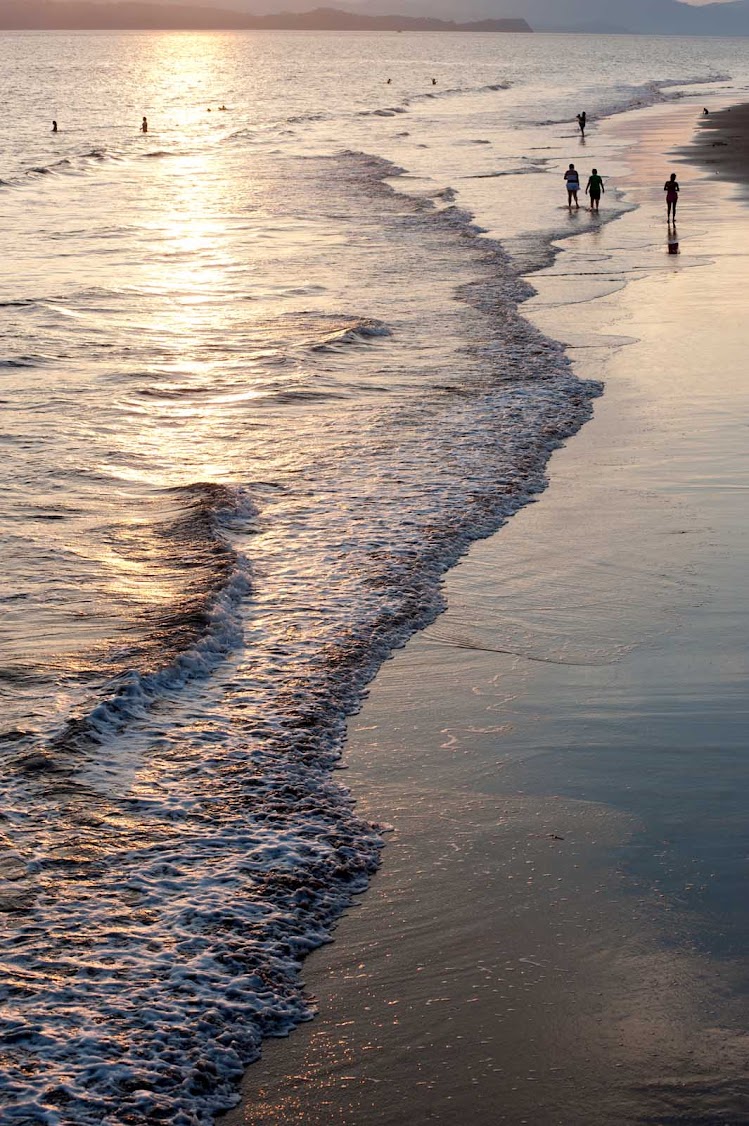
{"type": "Point", "coordinates": [558, 931]}
{"type": "Point", "coordinates": [722, 145]}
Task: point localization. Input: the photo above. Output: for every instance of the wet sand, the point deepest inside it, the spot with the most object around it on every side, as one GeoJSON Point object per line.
{"type": "Point", "coordinates": [722, 144]}
{"type": "Point", "coordinates": [557, 933]}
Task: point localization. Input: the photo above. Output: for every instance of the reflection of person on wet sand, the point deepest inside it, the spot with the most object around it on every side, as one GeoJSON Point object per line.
{"type": "Point", "coordinates": [671, 188]}
{"type": "Point", "coordinates": [572, 181]}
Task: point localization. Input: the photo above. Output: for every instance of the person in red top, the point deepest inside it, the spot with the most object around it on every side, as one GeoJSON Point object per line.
{"type": "Point", "coordinates": [671, 188]}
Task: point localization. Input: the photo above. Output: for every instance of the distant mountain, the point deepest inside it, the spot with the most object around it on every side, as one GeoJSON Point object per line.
{"type": "Point", "coordinates": [659, 17]}
{"type": "Point", "coordinates": [65, 15]}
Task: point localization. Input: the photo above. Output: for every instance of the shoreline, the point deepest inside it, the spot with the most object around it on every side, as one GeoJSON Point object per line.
{"type": "Point", "coordinates": [495, 703]}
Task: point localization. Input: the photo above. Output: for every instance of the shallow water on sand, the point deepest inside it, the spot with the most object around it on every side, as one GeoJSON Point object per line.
{"type": "Point", "coordinates": [261, 390]}
{"type": "Point", "coordinates": [558, 931]}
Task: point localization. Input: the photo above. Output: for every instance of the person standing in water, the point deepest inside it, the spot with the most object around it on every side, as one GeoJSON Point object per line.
{"type": "Point", "coordinates": [671, 188]}
{"type": "Point", "coordinates": [54, 126]}
{"type": "Point", "coordinates": [595, 189]}
{"type": "Point", "coordinates": [582, 121]}
{"type": "Point", "coordinates": [144, 125]}
{"type": "Point", "coordinates": [572, 181]}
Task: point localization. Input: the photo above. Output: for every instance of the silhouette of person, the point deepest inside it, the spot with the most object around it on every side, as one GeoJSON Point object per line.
{"type": "Point", "coordinates": [572, 181]}
{"type": "Point", "coordinates": [582, 121]}
{"type": "Point", "coordinates": [706, 112]}
{"type": "Point", "coordinates": [595, 189]}
{"type": "Point", "coordinates": [389, 81]}
{"type": "Point", "coordinates": [671, 188]}
{"type": "Point", "coordinates": [144, 125]}
{"type": "Point", "coordinates": [54, 126]}
{"type": "Point", "coordinates": [434, 82]}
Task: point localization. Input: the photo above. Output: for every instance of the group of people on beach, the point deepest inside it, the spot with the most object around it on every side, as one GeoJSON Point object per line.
{"type": "Point", "coordinates": [595, 188]}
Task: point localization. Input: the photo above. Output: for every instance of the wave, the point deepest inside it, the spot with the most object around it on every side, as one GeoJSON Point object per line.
{"type": "Point", "coordinates": [201, 629]}
{"type": "Point", "coordinates": [24, 361]}
{"type": "Point", "coordinates": [651, 93]}
{"type": "Point", "coordinates": [459, 91]}
{"type": "Point", "coordinates": [395, 110]}
{"type": "Point", "coordinates": [524, 171]}
{"type": "Point", "coordinates": [386, 111]}
{"type": "Point", "coordinates": [171, 951]}
{"type": "Point", "coordinates": [357, 332]}
{"type": "Point", "coordinates": [67, 165]}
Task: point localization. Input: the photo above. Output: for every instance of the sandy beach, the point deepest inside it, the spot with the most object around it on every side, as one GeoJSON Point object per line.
{"type": "Point", "coordinates": [555, 934]}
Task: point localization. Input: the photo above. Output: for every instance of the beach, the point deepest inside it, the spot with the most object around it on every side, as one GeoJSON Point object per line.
{"type": "Point", "coordinates": [557, 931]}
{"type": "Point", "coordinates": [372, 555]}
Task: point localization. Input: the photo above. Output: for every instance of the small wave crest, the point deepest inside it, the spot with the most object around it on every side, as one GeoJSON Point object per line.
{"type": "Point", "coordinates": [358, 332]}
{"type": "Point", "coordinates": [650, 93]}
{"type": "Point", "coordinates": [201, 629]}
{"type": "Point", "coordinates": [72, 164]}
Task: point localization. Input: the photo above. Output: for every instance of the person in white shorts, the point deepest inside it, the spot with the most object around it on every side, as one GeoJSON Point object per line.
{"type": "Point", "coordinates": [573, 186]}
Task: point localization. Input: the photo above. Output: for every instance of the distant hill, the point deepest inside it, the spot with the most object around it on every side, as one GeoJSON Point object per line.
{"type": "Point", "coordinates": [131, 15]}
{"type": "Point", "coordinates": [659, 17]}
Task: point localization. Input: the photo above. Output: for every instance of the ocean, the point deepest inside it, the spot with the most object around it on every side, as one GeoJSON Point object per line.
{"type": "Point", "coordinates": [264, 378]}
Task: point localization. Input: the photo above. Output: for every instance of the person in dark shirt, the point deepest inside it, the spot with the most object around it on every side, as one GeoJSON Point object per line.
{"type": "Point", "coordinates": [595, 189]}
{"type": "Point", "coordinates": [671, 188]}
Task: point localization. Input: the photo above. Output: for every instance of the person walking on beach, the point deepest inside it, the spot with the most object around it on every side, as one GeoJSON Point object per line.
{"type": "Point", "coordinates": [595, 189]}
{"type": "Point", "coordinates": [572, 181]}
{"type": "Point", "coordinates": [582, 121]}
{"type": "Point", "coordinates": [144, 125]}
{"type": "Point", "coordinates": [671, 188]}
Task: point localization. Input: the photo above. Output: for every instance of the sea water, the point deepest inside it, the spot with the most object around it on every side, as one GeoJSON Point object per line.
{"type": "Point", "coordinates": [264, 378]}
